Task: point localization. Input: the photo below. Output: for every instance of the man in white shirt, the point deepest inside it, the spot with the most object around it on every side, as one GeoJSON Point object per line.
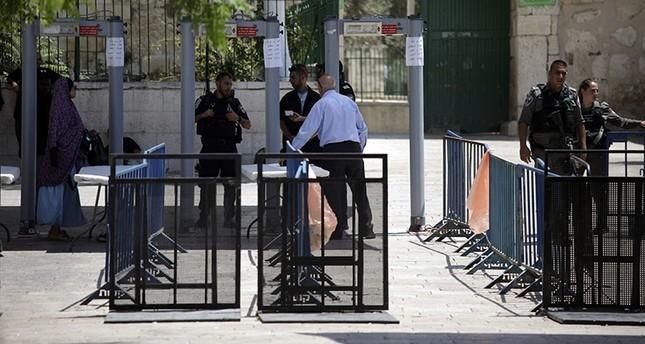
{"type": "Point", "coordinates": [340, 127]}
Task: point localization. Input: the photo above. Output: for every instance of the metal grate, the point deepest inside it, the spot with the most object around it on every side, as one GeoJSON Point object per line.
{"type": "Point", "coordinates": [595, 233]}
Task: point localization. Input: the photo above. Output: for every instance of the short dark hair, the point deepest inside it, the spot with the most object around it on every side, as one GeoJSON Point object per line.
{"type": "Point", "coordinates": [558, 62]}
{"type": "Point", "coordinates": [222, 75]}
{"type": "Point", "coordinates": [299, 68]}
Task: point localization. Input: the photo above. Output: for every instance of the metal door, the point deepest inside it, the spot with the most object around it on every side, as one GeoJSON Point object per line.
{"type": "Point", "coordinates": [466, 64]}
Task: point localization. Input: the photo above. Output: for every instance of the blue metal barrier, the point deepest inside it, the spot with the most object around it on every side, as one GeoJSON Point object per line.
{"type": "Point", "coordinates": [502, 236]}
{"type": "Point", "coordinates": [530, 215]}
{"type": "Point", "coordinates": [156, 169]}
{"type": "Point", "coordinates": [461, 159]}
{"type": "Point", "coordinates": [122, 197]}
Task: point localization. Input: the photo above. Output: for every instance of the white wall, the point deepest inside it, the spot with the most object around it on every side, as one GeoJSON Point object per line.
{"type": "Point", "coordinates": [151, 115]}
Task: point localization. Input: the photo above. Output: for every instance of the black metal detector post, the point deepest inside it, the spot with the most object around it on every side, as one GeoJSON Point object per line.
{"type": "Point", "coordinates": [113, 31]}
{"type": "Point", "coordinates": [413, 27]}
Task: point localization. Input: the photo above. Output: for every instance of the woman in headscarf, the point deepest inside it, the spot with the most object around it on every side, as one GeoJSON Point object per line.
{"type": "Point", "coordinates": [58, 200]}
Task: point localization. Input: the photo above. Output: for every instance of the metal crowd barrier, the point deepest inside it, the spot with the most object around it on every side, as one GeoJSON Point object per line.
{"type": "Point", "coordinates": [120, 248]}
{"type": "Point", "coordinates": [197, 267]}
{"type": "Point", "coordinates": [461, 160]}
{"type": "Point", "coordinates": [516, 226]}
{"type": "Point", "coordinates": [349, 274]}
{"type": "Point", "coordinates": [594, 250]}
{"type": "Point", "coordinates": [502, 235]}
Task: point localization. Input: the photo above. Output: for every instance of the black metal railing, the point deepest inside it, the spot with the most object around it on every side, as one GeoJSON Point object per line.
{"type": "Point", "coordinates": [190, 266]}
{"type": "Point", "coordinates": [349, 273]}
{"type": "Point", "coordinates": [595, 239]}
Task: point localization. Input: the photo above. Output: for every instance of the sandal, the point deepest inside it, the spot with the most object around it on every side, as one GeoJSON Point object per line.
{"type": "Point", "coordinates": [57, 235]}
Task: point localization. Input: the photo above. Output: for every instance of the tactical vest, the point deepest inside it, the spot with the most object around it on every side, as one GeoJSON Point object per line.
{"type": "Point", "coordinates": [218, 128]}
{"type": "Point", "coordinates": [595, 124]}
{"type": "Point", "coordinates": [555, 113]}
{"type": "Point", "coordinates": [554, 120]}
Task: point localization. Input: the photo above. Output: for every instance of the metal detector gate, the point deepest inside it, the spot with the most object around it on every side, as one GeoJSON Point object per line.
{"type": "Point", "coordinates": [155, 263]}
{"type": "Point", "coordinates": [268, 28]}
{"type": "Point", "coordinates": [112, 29]}
{"type": "Point", "coordinates": [297, 274]}
{"type": "Point", "coordinates": [594, 252]}
{"type": "Point", "coordinates": [414, 28]}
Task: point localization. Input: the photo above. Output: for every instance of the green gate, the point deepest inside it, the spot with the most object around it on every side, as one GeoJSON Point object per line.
{"type": "Point", "coordinates": [466, 64]}
{"type": "Point", "coordinates": [305, 24]}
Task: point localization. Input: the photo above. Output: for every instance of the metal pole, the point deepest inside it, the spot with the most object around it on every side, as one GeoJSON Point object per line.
{"type": "Point", "coordinates": [115, 76]}
{"type": "Point", "coordinates": [272, 94]}
{"type": "Point", "coordinates": [411, 7]}
{"type": "Point", "coordinates": [28, 88]}
{"type": "Point", "coordinates": [187, 116]}
{"type": "Point", "coordinates": [77, 53]}
{"type": "Point", "coordinates": [415, 98]}
{"type": "Point", "coordinates": [332, 54]}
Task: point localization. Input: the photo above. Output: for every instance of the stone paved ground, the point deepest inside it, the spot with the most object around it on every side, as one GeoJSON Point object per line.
{"type": "Point", "coordinates": [435, 301]}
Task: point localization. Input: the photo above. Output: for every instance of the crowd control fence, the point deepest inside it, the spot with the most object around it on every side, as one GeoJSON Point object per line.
{"type": "Point", "coordinates": [594, 239]}
{"type": "Point", "coordinates": [461, 160]}
{"type": "Point", "coordinates": [159, 257]}
{"type": "Point", "coordinates": [516, 208]}
{"type": "Point", "coordinates": [576, 239]}
{"type": "Point", "coordinates": [298, 274]}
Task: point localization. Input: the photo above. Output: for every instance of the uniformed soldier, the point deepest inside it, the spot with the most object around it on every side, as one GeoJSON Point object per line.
{"type": "Point", "coordinates": [552, 113]}
{"type": "Point", "coordinates": [599, 118]}
{"type": "Point", "coordinates": [220, 118]}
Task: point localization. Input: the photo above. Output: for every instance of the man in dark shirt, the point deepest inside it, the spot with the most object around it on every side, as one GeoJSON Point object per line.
{"type": "Point", "coordinates": [295, 106]}
{"type": "Point", "coordinates": [220, 118]}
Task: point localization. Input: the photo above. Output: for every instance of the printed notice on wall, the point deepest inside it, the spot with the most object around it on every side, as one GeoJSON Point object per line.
{"type": "Point", "coordinates": [414, 51]}
{"type": "Point", "coordinates": [272, 53]}
{"type": "Point", "coordinates": [114, 51]}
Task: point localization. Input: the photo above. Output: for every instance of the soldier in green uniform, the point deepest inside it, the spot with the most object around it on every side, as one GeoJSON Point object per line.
{"type": "Point", "coordinates": [599, 118]}
{"type": "Point", "coordinates": [552, 115]}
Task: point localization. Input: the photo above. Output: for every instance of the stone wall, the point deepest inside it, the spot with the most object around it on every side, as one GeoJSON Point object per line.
{"type": "Point", "coordinates": [606, 40]}
{"type": "Point", "coordinates": [598, 38]}
{"type": "Point", "coordinates": [151, 115]}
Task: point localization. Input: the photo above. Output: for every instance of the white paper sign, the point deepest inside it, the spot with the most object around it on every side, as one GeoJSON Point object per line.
{"type": "Point", "coordinates": [414, 51]}
{"type": "Point", "coordinates": [114, 52]}
{"type": "Point", "coordinates": [272, 53]}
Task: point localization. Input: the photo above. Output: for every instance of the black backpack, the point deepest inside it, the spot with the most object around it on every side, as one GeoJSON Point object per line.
{"type": "Point", "coordinates": [93, 148]}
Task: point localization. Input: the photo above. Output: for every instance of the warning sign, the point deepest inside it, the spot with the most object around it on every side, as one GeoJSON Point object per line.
{"type": "Point", "coordinates": [389, 29]}
{"type": "Point", "coordinates": [88, 30]}
{"type": "Point", "coordinates": [247, 31]}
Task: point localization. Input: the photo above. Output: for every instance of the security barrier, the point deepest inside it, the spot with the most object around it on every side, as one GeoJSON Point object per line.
{"type": "Point", "coordinates": [461, 159]}
{"type": "Point", "coordinates": [594, 252]}
{"type": "Point", "coordinates": [296, 275]}
{"type": "Point", "coordinates": [159, 260]}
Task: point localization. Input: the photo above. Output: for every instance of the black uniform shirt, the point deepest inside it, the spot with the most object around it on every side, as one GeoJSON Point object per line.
{"type": "Point", "coordinates": [291, 102]}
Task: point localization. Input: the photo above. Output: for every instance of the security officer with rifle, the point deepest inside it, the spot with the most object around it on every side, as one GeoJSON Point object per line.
{"type": "Point", "coordinates": [552, 113]}
{"type": "Point", "coordinates": [220, 118]}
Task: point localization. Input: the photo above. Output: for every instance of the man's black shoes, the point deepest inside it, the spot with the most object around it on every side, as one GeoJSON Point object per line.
{"type": "Point", "coordinates": [367, 232]}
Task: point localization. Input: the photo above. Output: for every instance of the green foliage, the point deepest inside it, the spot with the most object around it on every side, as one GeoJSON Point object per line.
{"type": "Point", "coordinates": [213, 14]}
{"type": "Point", "coordinates": [241, 57]}
{"type": "Point", "coordinates": [46, 9]}
{"type": "Point", "coordinates": [301, 40]}
{"type": "Point", "coordinates": [9, 48]}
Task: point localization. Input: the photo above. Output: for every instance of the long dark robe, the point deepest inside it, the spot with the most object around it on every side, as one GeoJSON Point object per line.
{"type": "Point", "coordinates": [64, 135]}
